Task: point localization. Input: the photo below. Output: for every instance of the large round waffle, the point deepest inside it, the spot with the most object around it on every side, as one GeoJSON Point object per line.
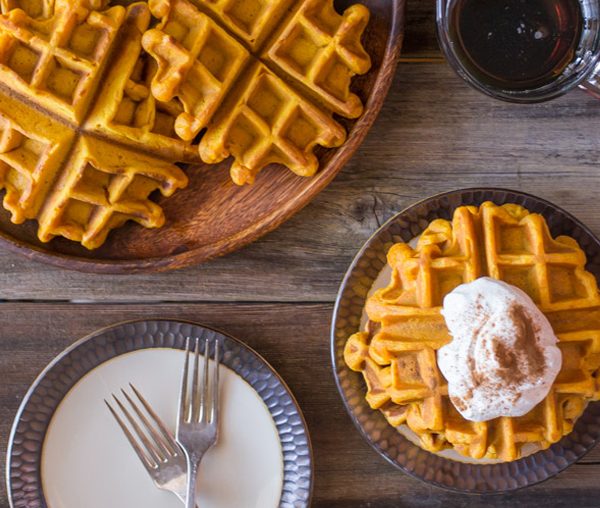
{"type": "Point", "coordinates": [386, 439]}
{"type": "Point", "coordinates": [101, 98]}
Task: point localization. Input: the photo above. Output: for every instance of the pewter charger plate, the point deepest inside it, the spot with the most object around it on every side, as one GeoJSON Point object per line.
{"type": "Point", "coordinates": [385, 439]}
{"type": "Point", "coordinates": [67, 374]}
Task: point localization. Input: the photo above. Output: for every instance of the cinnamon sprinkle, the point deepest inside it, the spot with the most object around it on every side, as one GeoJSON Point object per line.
{"type": "Point", "coordinates": [526, 359]}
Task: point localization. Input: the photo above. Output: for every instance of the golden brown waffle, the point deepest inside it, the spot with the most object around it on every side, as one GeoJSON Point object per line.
{"type": "Point", "coordinates": [126, 109]}
{"type": "Point", "coordinates": [197, 62]}
{"type": "Point", "coordinates": [396, 354]}
{"type": "Point", "coordinates": [99, 99]}
{"type": "Point", "coordinates": [265, 121]}
{"type": "Point", "coordinates": [321, 49]}
{"type": "Point", "coordinates": [76, 185]}
{"type": "Point", "coordinates": [273, 113]}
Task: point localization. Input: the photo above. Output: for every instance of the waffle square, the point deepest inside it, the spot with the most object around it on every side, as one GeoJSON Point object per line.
{"type": "Point", "coordinates": [396, 354]}
{"type": "Point", "coordinates": [57, 62]}
{"type": "Point", "coordinates": [321, 50]}
{"type": "Point", "coordinates": [265, 121]}
{"type": "Point", "coordinates": [100, 189]}
{"type": "Point", "coordinates": [197, 62]}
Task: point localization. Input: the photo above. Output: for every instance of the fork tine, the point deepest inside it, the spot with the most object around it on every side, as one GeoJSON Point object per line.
{"type": "Point", "coordinates": [196, 405]}
{"type": "Point", "coordinates": [150, 448]}
{"type": "Point", "coordinates": [183, 413]}
{"type": "Point", "coordinates": [166, 434]}
{"type": "Point", "coordinates": [214, 412]}
{"type": "Point", "coordinates": [149, 464]}
{"type": "Point", "coordinates": [204, 396]}
{"type": "Point", "coordinates": [159, 441]}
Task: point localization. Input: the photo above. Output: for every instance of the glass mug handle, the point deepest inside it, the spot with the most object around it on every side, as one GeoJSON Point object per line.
{"type": "Point", "coordinates": [592, 82]}
{"type": "Point", "coordinates": [583, 71]}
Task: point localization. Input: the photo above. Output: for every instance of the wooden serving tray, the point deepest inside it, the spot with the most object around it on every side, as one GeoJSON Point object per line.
{"type": "Point", "coordinates": [213, 216]}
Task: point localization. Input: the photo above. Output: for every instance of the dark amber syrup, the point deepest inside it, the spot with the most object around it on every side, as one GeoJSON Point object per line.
{"type": "Point", "coordinates": [516, 44]}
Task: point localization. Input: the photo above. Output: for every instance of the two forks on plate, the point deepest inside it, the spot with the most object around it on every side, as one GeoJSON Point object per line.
{"type": "Point", "coordinates": [172, 461]}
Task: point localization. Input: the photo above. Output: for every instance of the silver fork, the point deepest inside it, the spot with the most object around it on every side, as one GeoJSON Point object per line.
{"type": "Point", "coordinates": [197, 428]}
{"type": "Point", "coordinates": [156, 448]}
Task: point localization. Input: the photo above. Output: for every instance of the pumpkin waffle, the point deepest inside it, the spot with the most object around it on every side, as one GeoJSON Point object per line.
{"type": "Point", "coordinates": [197, 62]}
{"type": "Point", "coordinates": [397, 352]}
{"type": "Point", "coordinates": [127, 110]}
{"type": "Point", "coordinates": [265, 121]}
{"type": "Point", "coordinates": [57, 62]}
{"type": "Point", "coordinates": [93, 93]}
{"type": "Point", "coordinates": [200, 63]}
{"type": "Point", "coordinates": [321, 50]}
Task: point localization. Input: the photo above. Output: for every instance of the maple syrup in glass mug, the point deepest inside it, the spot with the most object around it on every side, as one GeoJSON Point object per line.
{"type": "Point", "coordinates": [522, 50]}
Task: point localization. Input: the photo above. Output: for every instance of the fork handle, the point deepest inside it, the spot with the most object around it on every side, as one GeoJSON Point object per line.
{"type": "Point", "coordinates": [193, 464]}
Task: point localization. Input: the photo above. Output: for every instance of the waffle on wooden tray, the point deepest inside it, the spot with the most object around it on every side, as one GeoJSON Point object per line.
{"type": "Point", "coordinates": [99, 100]}
{"type": "Point", "coordinates": [396, 353]}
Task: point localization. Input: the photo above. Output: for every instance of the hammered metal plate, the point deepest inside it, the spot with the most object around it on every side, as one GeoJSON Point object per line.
{"type": "Point", "coordinates": [23, 478]}
{"type": "Point", "coordinates": [385, 439]}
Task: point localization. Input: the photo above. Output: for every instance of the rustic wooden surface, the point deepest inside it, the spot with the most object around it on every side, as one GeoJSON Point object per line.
{"type": "Point", "coordinates": [434, 134]}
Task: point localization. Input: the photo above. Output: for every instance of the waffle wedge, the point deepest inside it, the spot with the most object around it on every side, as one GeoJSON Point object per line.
{"type": "Point", "coordinates": [125, 108]}
{"type": "Point", "coordinates": [57, 62]}
{"type": "Point", "coordinates": [396, 353]}
{"type": "Point", "coordinates": [252, 21]}
{"type": "Point", "coordinates": [197, 62]}
{"type": "Point", "coordinates": [321, 50]}
{"type": "Point", "coordinates": [264, 121]}
{"type": "Point", "coordinates": [101, 188]}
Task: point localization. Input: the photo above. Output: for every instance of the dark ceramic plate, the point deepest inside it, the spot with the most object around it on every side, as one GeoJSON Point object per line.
{"type": "Point", "coordinates": [385, 439]}
{"type": "Point", "coordinates": [23, 475]}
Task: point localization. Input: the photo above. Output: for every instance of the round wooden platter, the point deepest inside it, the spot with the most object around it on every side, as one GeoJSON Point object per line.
{"type": "Point", "coordinates": [213, 216]}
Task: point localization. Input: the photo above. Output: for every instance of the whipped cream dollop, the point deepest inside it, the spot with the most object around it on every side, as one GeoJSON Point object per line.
{"type": "Point", "coordinates": [503, 356]}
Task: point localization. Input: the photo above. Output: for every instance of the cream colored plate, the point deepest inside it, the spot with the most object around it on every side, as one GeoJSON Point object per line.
{"type": "Point", "coordinates": [88, 463]}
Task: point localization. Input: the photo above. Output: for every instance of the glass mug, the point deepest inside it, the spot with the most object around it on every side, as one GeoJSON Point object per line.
{"type": "Point", "coordinates": [522, 50]}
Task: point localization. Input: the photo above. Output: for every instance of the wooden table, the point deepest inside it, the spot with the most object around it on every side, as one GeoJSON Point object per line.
{"type": "Point", "coordinates": [434, 134]}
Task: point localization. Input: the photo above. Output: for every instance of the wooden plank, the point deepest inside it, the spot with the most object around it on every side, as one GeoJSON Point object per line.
{"type": "Point", "coordinates": [420, 40]}
{"type": "Point", "coordinates": [434, 134]}
{"type": "Point", "coordinates": [294, 339]}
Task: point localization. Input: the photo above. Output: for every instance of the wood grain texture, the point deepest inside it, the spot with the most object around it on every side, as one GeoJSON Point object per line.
{"type": "Point", "coordinates": [294, 339]}
{"type": "Point", "coordinates": [434, 134]}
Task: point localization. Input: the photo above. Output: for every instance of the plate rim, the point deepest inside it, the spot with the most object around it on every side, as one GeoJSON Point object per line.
{"type": "Point", "coordinates": [276, 218]}
{"type": "Point", "coordinates": [120, 324]}
{"type": "Point", "coordinates": [335, 367]}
